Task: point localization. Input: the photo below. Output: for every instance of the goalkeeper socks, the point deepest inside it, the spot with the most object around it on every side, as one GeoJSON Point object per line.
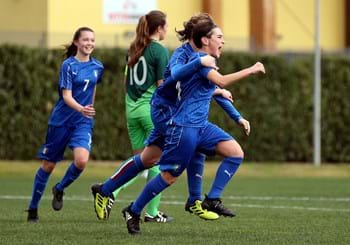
{"type": "Point", "coordinates": [153, 205]}
{"type": "Point", "coordinates": [128, 170]}
{"type": "Point", "coordinates": [39, 185]}
{"type": "Point", "coordinates": [130, 182]}
{"type": "Point", "coordinates": [225, 172]}
{"type": "Point", "coordinates": [152, 189]}
{"type": "Point", "coordinates": [72, 174]}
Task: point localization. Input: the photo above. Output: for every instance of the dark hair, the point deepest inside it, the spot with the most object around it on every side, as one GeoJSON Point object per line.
{"type": "Point", "coordinates": [71, 49]}
{"type": "Point", "coordinates": [186, 33]}
{"type": "Point", "coordinates": [202, 30]}
{"type": "Point", "coordinates": [147, 25]}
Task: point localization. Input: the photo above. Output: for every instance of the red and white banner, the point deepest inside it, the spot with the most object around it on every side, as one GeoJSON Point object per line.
{"type": "Point", "coordinates": [126, 11]}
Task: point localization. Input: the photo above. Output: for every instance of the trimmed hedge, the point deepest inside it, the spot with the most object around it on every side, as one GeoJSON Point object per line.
{"type": "Point", "coordinates": [278, 105]}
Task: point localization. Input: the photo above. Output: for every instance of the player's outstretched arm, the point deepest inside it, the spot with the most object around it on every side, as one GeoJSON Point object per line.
{"type": "Point", "coordinates": [225, 80]}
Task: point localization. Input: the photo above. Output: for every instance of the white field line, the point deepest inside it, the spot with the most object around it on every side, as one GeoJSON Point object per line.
{"type": "Point", "coordinates": [260, 206]}
{"type": "Point", "coordinates": [271, 198]}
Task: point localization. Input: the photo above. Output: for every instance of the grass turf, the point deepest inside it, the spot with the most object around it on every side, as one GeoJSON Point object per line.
{"type": "Point", "coordinates": [275, 204]}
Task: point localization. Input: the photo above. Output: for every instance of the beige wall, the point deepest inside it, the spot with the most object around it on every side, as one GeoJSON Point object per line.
{"type": "Point", "coordinates": [23, 15]}
{"type": "Point", "coordinates": [333, 23]}
{"type": "Point", "coordinates": [63, 22]}
{"type": "Point", "coordinates": [235, 23]}
{"type": "Point", "coordinates": [52, 22]}
{"type": "Point", "coordinates": [23, 22]}
{"type": "Point", "coordinates": [295, 23]}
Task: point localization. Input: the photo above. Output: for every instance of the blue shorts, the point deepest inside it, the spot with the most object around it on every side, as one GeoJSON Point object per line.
{"type": "Point", "coordinates": [57, 139]}
{"type": "Point", "coordinates": [156, 137]}
{"type": "Point", "coordinates": [160, 116]}
{"type": "Point", "coordinates": [182, 142]}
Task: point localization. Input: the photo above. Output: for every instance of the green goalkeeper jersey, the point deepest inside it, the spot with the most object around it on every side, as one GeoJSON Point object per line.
{"type": "Point", "coordinates": [141, 79]}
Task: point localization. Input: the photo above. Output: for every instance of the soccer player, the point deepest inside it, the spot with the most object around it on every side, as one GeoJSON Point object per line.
{"type": "Point", "coordinates": [189, 129]}
{"type": "Point", "coordinates": [152, 152]}
{"type": "Point", "coordinates": [147, 59]}
{"type": "Point", "coordinates": [71, 121]}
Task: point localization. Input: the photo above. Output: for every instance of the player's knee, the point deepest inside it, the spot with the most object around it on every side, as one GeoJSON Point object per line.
{"type": "Point", "coordinates": [47, 166]}
{"type": "Point", "coordinates": [150, 155]}
{"type": "Point", "coordinates": [81, 161]}
{"type": "Point", "coordinates": [169, 178]}
{"type": "Point", "coordinates": [230, 149]}
{"type": "Point", "coordinates": [238, 153]}
{"type": "Point", "coordinates": [149, 161]}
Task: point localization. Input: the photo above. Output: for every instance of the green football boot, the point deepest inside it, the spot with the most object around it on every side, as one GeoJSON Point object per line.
{"type": "Point", "coordinates": [196, 209]}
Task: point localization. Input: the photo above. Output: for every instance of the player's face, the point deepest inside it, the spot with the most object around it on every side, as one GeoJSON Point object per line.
{"type": "Point", "coordinates": [216, 42]}
{"type": "Point", "coordinates": [162, 31]}
{"type": "Point", "coordinates": [85, 43]}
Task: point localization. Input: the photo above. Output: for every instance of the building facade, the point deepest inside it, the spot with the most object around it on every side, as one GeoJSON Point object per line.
{"type": "Point", "coordinates": [266, 25]}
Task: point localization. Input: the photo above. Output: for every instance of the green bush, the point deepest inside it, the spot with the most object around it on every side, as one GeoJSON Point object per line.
{"type": "Point", "coordinates": [279, 105]}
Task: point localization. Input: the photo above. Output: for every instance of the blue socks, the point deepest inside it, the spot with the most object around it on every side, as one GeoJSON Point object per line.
{"type": "Point", "coordinates": [72, 174]}
{"type": "Point", "coordinates": [194, 177]}
{"type": "Point", "coordinates": [128, 170]}
{"type": "Point", "coordinates": [225, 172]}
{"type": "Point", "coordinates": [39, 185]}
{"type": "Point", "coordinates": [152, 189]}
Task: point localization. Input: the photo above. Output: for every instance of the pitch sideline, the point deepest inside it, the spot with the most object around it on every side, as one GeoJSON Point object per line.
{"type": "Point", "coordinates": [260, 206]}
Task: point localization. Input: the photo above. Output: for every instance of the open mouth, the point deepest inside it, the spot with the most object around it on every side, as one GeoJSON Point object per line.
{"type": "Point", "coordinates": [89, 48]}
{"type": "Point", "coordinates": [219, 49]}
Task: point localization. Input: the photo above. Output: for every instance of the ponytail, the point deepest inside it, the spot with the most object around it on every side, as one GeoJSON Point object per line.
{"type": "Point", "coordinates": [186, 33]}
{"type": "Point", "coordinates": [141, 41]}
{"type": "Point", "coordinates": [148, 25]}
{"type": "Point", "coordinates": [71, 50]}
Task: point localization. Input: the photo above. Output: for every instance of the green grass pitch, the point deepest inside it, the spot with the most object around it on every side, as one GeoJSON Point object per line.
{"type": "Point", "coordinates": [274, 203]}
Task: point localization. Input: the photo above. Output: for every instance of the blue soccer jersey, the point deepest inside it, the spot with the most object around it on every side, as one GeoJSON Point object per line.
{"type": "Point", "coordinates": [179, 66]}
{"type": "Point", "coordinates": [81, 78]}
{"type": "Point", "coordinates": [194, 96]}
{"type": "Point", "coordinates": [189, 130]}
{"type": "Point", "coordinates": [165, 97]}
